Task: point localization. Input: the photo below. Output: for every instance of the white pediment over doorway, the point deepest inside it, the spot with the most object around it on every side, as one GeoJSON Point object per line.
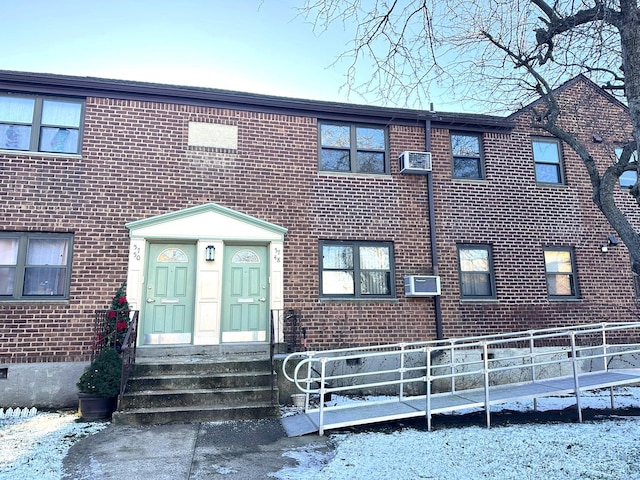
{"type": "Point", "coordinates": [209, 221]}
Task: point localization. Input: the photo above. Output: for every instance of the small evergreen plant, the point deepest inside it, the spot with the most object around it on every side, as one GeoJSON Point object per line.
{"type": "Point", "coordinates": [102, 378]}
{"type": "Point", "coordinates": [116, 322]}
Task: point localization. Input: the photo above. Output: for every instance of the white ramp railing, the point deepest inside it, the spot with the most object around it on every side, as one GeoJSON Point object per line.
{"type": "Point", "coordinates": [445, 375]}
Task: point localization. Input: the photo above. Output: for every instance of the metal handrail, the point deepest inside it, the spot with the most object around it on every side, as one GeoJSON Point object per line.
{"type": "Point", "coordinates": [128, 355]}
{"type": "Point", "coordinates": [312, 366]}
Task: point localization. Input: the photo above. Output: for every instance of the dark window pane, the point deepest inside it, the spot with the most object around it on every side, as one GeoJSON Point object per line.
{"type": "Point", "coordinates": [476, 285]}
{"type": "Point", "coordinates": [465, 145]}
{"type": "Point", "coordinates": [375, 283]}
{"type": "Point", "coordinates": [561, 285]}
{"type": "Point", "coordinates": [547, 173]}
{"type": "Point", "coordinates": [335, 160]}
{"type": "Point", "coordinates": [7, 280]}
{"type": "Point", "coordinates": [15, 137]}
{"type": "Point", "coordinates": [44, 281]}
{"type": "Point", "coordinates": [369, 138]}
{"type": "Point", "coordinates": [370, 162]}
{"type": "Point", "coordinates": [466, 168]}
{"type": "Point", "coordinates": [335, 136]}
{"type": "Point", "coordinates": [64, 140]}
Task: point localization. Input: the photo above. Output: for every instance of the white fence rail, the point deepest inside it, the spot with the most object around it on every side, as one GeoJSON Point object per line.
{"type": "Point", "coordinates": [445, 375]}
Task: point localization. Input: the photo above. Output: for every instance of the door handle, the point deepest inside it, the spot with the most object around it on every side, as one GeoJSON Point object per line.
{"type": "Point", "coordinates": [150, 300]}
{"type": "Point", "coordinates": [262, 299]}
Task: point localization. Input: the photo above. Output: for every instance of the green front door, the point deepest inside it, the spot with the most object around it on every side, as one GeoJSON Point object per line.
{"type": "Point", "coordinates": [169, 294]}
{"type": "Point", "coordinates": [245, 294]}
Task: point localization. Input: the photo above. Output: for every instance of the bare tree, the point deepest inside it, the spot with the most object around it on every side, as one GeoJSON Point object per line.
{"type": "Point", "coordinates": [508, 52]}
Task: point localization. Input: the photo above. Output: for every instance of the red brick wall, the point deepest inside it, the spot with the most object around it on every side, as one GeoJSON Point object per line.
{"type": "Point", "coordinates": [136, 164]}
{"type": "Point", "coordinates": [518, 218]}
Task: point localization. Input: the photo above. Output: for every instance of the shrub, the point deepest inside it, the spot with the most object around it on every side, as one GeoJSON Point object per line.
{"type": "Point", "coordinates": [102, 378]}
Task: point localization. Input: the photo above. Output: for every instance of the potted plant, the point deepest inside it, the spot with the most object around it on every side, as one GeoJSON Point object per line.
{"type": "Point", "coordinates": [99, 386]}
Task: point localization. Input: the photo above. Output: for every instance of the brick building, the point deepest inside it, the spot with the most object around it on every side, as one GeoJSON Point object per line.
{"type": "Point", "coordinates": [221, 207]}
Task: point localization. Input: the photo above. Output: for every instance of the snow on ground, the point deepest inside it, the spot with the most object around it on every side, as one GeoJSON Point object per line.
{"type": "Point", "coordinates": [608, 448]}
{"type": "Point", "coordinates": [33, 446]}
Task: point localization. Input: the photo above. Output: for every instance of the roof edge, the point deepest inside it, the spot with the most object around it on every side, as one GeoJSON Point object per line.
{"type": "Point", "coordinates": [44, 83]}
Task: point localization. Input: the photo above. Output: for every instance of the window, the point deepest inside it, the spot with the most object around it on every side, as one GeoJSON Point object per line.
{"type": "Point", "coordinates": [466, 152]}
{"type": "Point", "coordinates": [40, 124]}
{"type": "Point", "coordinates": [353, 148]}
{"type": "Point", "coordinates": [561, 273]}
{"type": "Point", "coordinates": [356, 269]}
{"type": "Point", "coordinates": [34, 266]}
{"type": "Point", "coordinates": [627, 179]}
{"type": "Point", "coordinates": [548, 161]}
{"type": "Point", "coordinates": [476, 272]}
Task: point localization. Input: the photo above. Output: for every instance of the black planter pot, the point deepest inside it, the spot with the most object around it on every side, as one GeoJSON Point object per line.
{"type": "Point", "coordinates": [92, 408]}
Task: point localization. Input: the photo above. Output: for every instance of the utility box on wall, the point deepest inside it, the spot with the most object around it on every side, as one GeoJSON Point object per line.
{"type": "Point", "coordinates": [421, 285]}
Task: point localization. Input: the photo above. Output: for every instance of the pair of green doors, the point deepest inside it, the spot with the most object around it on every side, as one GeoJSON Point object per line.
{"type": "Point", "coordinates": [168, 313]}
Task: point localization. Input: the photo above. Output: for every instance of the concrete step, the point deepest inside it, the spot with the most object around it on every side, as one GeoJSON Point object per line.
{"type": "Point", "coordinates": [198, 388]}
{"type": "Point", "coordinates": [208, 366]}
{"type": "Point", "coordinates": [201, 380]}
{"type": "Point", "coordinates": [207, 397]}
{"type": "Point", "coordinates": [194, 414]}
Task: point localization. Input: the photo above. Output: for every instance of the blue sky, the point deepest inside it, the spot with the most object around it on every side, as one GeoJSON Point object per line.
{"type": "Point", "coordinates": [245, 45]}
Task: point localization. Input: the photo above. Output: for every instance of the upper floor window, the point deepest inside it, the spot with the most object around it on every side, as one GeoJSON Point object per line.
{"type": "Point", "coordinates": [356, 269]}
{"type": "Point", "coordinates": [477, 279]}
{"type": "Point", "coordinates": [466, 150]}
{"type": "Point", "coordinates": [627, 179]}
{"type": "Point", "coordinates": [40, 124]}
{"type": "Point", "coordinates": [34, 265]}
{"type": "Point", "coordinates": [353, 148]}
{"type": "Point", "coordinates": [548, 160]}
{"type": "Point", "coordinates": [562, 281]}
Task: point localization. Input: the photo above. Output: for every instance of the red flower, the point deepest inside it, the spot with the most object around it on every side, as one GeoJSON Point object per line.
{"type": "Point", "coordinates": [121, 326]}
{"type": "Point", "coordinates": [111, 314]}
{"type": "Point", "coordinates": [122, 300]}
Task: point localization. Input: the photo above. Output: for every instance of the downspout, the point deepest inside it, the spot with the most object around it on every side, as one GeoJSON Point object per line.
{"type": "Point", "coordinates": [432, 232]}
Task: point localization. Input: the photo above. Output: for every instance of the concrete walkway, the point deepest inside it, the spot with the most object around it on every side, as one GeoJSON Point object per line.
{"type": "Point", "coordinates": [250, 449]}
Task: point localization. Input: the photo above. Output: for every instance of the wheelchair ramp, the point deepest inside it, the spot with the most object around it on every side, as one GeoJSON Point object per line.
{"type": "Point", "coordinates": [369, 413]}
{"type": "Point", "coordinates": [587, 362]}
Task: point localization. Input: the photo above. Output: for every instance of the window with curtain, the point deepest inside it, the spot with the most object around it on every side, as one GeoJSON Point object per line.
{"type": "Point", "coordinates": [40, 124]}
{"type": "Point", "coordinates": [353, 148]}
{"type": "Point", "coordinates": [34, 265]}
{"type": "Point", "coordinates": [466, 152]}
{"type": "Point", "coordinates": [356, 269]}
{"type": "Point", "coordinates": [476, 272]}
{"type": "Point", "coordinates": [562, 282]}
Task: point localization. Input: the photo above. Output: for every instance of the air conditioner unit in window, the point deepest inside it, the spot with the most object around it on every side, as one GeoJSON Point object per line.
{"type": "Point", "coordinates": [417, 163]}
{"type": "Point", "coordinates": [421, 286]}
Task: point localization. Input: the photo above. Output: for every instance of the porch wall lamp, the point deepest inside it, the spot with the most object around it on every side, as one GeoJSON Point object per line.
{"type": "Point", "coordinates": [210, 253]}
{"type": "Point", "coordinates": [612, 241]}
